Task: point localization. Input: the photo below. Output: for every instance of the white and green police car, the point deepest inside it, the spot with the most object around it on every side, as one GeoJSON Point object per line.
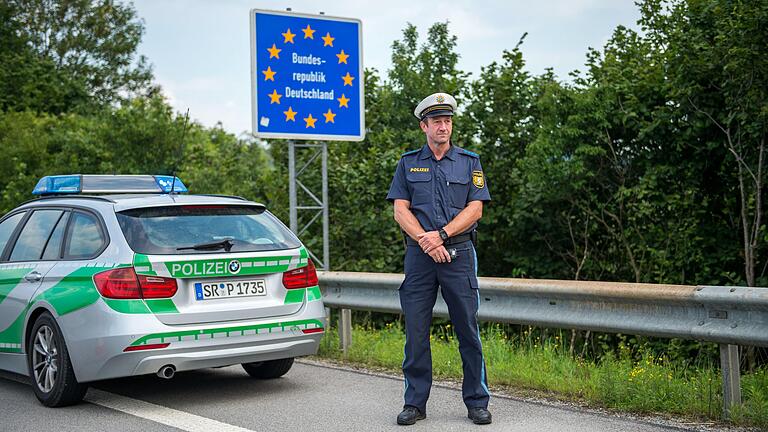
{"type": "Point", "coordinates": [113, 276]}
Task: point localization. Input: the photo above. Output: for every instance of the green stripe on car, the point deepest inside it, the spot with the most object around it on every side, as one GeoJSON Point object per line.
{"type": "Point", "coordinates": [226, 331]}
{"type": "Point", "coordinates": [10, 277]}
{"type": "Point", "coordinates": [142, 265]}
{"type": "Point", "coordinates": [223, 267]}
{"type": "Point", "coordinates": [297, 295]}
{"type": "Point", "coordinates": [313, 293]}
{"type": "Point", "coordinates": [75, 291]}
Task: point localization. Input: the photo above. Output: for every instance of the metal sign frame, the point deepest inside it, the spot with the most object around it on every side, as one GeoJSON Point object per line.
{"type": "Point", "coordinates": [254, 80]}
{"type": "Point", "coordinates": [318, 206]}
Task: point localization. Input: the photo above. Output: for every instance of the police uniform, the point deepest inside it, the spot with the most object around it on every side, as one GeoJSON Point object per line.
{"type": "Point", "coordinates": [438, 191]}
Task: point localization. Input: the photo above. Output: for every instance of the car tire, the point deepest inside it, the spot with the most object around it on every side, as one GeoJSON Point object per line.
{"type": "Point", "coordinates": [50, 368]}
{"type": "Point", "coordinates": [269, 369]}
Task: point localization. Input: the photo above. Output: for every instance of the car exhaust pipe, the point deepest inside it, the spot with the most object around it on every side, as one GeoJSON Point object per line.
{"type": "Point", "coordinates": [167, 372]}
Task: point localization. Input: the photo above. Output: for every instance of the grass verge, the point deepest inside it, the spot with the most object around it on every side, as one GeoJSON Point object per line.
{"type": "Point", "coordinates": [649, 384]}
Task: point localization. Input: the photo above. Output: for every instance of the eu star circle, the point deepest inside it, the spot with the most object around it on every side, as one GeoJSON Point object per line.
{"type": "Point", "coordinates": [234, 266]}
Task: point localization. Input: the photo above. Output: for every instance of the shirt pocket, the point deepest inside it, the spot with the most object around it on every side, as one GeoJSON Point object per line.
{"type": "Point", "coordinates": [458, 191]}
{"type": "Point", "coordinates": [420, 184]}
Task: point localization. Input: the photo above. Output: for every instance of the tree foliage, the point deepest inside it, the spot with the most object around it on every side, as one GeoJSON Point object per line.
{"type": "Point", "coordinates": [648, 166]}
{"type": "Point", "coordinates": [65, 55]}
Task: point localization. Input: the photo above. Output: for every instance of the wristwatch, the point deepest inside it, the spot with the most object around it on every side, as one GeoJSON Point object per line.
{"type": "Point", "coordinates": [443, 234]}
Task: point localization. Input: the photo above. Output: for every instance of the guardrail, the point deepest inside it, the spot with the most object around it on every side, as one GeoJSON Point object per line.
{"type": "Point", "coordinates": [729, 316]}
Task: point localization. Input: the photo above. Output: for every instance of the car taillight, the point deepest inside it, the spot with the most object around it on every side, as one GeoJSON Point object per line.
{"type": "Point", "coordinates": [119, 283]}
{"type": "Point", "coordinates": [124, 283]}
{"type": "Point", "coordinates": [301, 278]}
{"type": "Point", "coordinates": [157, 287]}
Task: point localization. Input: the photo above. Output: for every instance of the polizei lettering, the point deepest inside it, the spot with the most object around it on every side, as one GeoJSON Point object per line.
{"type": "Point", "coordinates": [199, 268]}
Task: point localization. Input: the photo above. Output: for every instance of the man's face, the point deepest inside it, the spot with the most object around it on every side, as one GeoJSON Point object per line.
{"type": "Point", "coordinates": [438, 129]}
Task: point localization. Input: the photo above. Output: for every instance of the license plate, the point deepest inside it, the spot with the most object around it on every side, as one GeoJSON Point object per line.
{"type": "Point", "coordinates": [229, 289]}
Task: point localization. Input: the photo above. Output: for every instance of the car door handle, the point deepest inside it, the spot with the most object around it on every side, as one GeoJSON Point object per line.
{"type": "Point", "coordinates": [33, 277]}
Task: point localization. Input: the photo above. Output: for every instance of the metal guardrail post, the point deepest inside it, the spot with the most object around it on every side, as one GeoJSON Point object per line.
{"type": "Point", "coordinates": [729, 365]}
{"type": "Point", "coordinates": [345, 330]}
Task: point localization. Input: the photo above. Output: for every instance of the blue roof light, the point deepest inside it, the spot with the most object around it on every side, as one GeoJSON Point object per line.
{"type": "Point", "coordinates": [108, 184]}
{"type": "Point", "coordinates": [166, 183]}
{"type": "Point", "coordinates": [62, 184]}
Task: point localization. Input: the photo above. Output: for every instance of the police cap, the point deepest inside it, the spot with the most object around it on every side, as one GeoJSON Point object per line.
{"type": "Point", "coordinates": [438, 104]}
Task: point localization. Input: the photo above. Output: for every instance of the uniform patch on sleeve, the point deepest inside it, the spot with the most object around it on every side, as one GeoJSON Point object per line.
{"type": "Point", "coordinates": [478, 179]}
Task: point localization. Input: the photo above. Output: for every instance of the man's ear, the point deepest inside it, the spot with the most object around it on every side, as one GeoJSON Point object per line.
{"type": "Point", "coordinates": [423, 124]}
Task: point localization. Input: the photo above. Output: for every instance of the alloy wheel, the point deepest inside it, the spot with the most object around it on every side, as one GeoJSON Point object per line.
{"type": "Point", "coordinates": [45, 359]}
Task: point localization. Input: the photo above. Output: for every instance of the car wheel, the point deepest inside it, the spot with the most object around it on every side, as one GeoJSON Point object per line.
{"type": "Point", "coordinates": [269, 369]}
{"type": "Point", "coordinates": [53, 378]}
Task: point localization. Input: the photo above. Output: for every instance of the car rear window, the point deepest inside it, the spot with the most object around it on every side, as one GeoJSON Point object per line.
{"type": "Point", "coordinates": [163, 230]}
{"type": "Point", "coordinates": [85, 237]}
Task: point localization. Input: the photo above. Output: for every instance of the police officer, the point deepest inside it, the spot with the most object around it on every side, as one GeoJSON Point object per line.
{"type": "Point", "coordinates": [438, 193]}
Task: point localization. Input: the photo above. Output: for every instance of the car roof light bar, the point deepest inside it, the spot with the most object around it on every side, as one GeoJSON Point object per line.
{"type": "Point", "coordinates": [108, 184]}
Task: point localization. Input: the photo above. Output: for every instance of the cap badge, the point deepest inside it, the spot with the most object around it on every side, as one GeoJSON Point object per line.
{"type": "Point", "coordinates": [440, 98]}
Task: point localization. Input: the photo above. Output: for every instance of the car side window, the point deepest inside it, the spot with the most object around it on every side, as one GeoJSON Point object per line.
{"type": "Point", "coordinates": [85, 238]}
{"type": "Point", "coordinates": [53, 248]}
{"type": "Point", "coordinates": [7, 227]}
{"type": "Point", "coordinates": [34, 235]}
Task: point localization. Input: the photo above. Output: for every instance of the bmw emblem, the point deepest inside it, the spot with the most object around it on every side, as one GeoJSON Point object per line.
{"type": "Point", "coordinates": [234, 266]}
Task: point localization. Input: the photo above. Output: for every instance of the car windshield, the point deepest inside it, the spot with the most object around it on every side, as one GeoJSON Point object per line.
{"type": "Point", "coordinates": [193, 229]}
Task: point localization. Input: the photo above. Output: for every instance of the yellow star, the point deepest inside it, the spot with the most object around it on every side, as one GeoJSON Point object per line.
{"type": "Point", "coordinates": [348, 79]}
{"type": "Point", "coordinates": [343, 100]}
{"type": "Point", "coordinates": [310, 121]}
{"type": "Point", "coordinates": [288, 36]}
{"type": "Point", "coordinates": [309, 33]}
{"type": "Point", "coordinates": [290, 115]}
{"type": "Point", "coordinates": [329, 116]}
{"type": "Point", "coordinates": [274, 97]}
{"type": "Point", "coordinates": [328, 40]}
{"type": "Point", "coordinates": [274, 51]}
{"type": "Point", "coordinates": [269, 74]}
{"type": "Point", "coordinates": [342, 57]}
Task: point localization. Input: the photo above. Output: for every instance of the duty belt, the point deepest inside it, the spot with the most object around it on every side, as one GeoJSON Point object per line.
{"type": "Point", "coordinates": [461, 238]}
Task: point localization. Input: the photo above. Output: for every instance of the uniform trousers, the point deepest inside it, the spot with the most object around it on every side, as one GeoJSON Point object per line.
{"type": "Point", "coordinates": [458, 284]}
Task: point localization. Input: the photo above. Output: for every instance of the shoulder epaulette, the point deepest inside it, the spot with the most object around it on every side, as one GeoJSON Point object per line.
{"type": "Point", "coordinates": [469, 153]}
{"type": "Point", "coordinates": [410, 152]}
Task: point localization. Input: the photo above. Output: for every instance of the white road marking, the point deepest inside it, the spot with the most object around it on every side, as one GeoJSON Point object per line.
{"type": "Point", "coordinates": [149, 411]}
{"type": "Point", "coordinates": [159, 414]}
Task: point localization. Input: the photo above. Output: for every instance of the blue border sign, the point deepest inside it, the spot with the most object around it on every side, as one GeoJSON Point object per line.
{"type": "Point", "coordinates": [307, 76]}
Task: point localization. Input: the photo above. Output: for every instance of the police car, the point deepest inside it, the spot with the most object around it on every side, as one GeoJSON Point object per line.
{"type": "Point", "coordinates": [114, 276]}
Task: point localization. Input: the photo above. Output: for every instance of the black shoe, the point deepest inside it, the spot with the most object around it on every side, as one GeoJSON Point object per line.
{"type": "Point", "coordinates": [410, 415]}
{"type": "Point", "coordinates": [479, 416]}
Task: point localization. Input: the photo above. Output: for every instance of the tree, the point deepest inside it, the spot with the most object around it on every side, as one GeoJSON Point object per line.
{"type": "Point", "coordinates": [70, 55]}
{"type": "Point", "coordinates": [721, 76]}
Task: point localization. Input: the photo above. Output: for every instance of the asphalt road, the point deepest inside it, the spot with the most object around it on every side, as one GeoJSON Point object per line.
{"type": "Point", "coordinates": [310, 397]}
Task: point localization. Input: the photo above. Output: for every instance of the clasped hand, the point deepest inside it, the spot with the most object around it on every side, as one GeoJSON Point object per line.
{"type": "Point", "coordinates": [432, 245]}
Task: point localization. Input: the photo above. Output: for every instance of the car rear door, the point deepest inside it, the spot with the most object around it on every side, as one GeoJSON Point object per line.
{"type": "Point", "coordinates": [30, 253]}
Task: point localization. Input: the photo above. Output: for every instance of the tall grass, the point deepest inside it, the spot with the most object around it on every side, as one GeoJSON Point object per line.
{"type": "Point", "coordinates": [644, 383]}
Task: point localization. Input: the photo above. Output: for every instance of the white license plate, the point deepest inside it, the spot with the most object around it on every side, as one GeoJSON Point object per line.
{"type": "Point", "coordinates": [228, 289]}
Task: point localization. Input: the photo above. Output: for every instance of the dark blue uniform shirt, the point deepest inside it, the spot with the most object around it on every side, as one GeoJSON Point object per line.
{"type": "Point", "coordinates": [439, 189]}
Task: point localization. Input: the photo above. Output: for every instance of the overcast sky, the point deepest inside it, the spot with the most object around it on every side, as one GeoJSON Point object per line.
{"type": "Point", "coordinates": [200, 49]}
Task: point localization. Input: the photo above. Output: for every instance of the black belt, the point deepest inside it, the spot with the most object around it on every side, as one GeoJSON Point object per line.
{"type": "Point", "coordinates": [461, 238]}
